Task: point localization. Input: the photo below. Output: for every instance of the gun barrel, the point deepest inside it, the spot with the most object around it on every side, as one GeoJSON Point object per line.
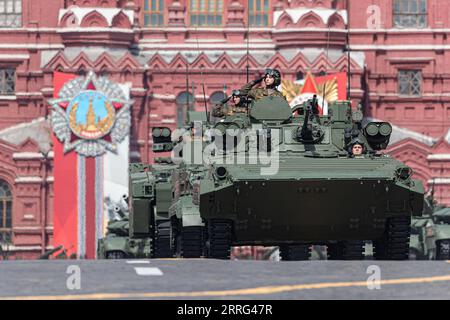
{"type": "Point", "coordinates": [306, 133]}
{"type": "Point", "coordinates": [124, 205]}
{"type": "Point", "coordinates": [117, 209]}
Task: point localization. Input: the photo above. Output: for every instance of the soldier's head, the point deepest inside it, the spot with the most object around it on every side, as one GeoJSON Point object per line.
{"type": "Point", "coordinates": [237, 98]}
{"type": "Point", "coordinates": [356, 147]}
{"type": "Point", "coordinates": [272, 78]}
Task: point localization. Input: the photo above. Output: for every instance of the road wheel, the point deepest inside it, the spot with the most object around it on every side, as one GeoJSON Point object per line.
{"type": "Point", "coordinates": [301, 252]}
{"type": "Point", "coordinates": [192, 242]}
{"type": "Point", "coordinates": [220, 236]}
{"type": "Point", "coordinates": [443, 250]}
{"type": "Point", "coordinates": [394, 245]}
{"type": "Point", "coordinates": [163, 239]}
{"type": "Point", "coordinates": [346, 250]}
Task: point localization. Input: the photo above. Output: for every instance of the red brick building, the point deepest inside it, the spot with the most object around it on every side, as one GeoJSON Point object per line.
{"type": "Point", "coordinates": [399, 71]}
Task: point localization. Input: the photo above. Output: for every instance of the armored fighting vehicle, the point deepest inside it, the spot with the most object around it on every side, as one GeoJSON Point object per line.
{"type": "Point", "coordinates": [430, 233]}
{"type": "Point", "coordinates": [442, 215]}
{"type": "Point", "coordinates": [285, 178]}
{"type": "Point", "coordinates": [422, 240]}
{"type": "Point", "coordinates": [146, 232]}
{"type": "Point", "coordinates": [441, 219]}
{"type": "Point", "coordinates": [117, 243]}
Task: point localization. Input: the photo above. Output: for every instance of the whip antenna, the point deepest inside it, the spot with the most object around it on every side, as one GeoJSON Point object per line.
{"type": "Point", "coordinates": [326, 68]}
{"type": "Point", "coordinates": [201, 75]}
{"type": "Point", "coordinates": [248, 41]}
{"type": "Point", "coordinates": [348, 51]}
{"type": "Point", "coordinates": [187, 86]}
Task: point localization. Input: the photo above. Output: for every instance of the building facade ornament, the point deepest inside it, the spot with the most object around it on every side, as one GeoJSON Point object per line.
{"type": "Point", "coordinates": [91, 115]}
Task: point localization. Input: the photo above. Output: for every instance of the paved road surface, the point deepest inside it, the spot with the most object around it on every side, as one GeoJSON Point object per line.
{"type": "Point", "coordinates": [215, 279]}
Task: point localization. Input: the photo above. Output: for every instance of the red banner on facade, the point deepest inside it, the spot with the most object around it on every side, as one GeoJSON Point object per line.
{"type": "Point", "coordinates": [76, 220]}
{"type": "Point", "coordinates": [90, 157]}
{"type": "Point", "coordinates": [65, 207]}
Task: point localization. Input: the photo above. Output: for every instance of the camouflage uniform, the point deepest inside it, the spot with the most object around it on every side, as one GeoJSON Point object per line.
{"type": "Point", "coordinates": [223, 110]}
{"type": "Point", "coordinates": [259, 93]}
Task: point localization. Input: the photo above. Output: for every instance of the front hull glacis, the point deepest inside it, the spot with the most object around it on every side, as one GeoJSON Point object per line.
{"type": "Point", "coordinates": [288, 211]}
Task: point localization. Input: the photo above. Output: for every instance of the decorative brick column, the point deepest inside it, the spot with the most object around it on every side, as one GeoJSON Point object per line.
{"type": "Point", "coordinates": [235, 19]}
{"type": "Point", "coordinates": [176, 13]}
{"type": "Point", "coordinates": [235, 16]}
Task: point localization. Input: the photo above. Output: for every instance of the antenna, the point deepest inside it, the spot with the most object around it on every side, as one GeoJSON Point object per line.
{"type": "Point", "coordinates": [201, 75]}
{"type": "Point", "coordinates": [326, 68]}
{"type": "Point", "coordinates": [193, 93]}
{"type": "Point", "coordinates": [187, 85]}
{"type": "Point", "coordinates": [432, 188]}
{"type": "Point", "coordinates": [348, 51]}
{"type": "Point", "coordinates": [248, 40]}
{"type": "Point", "coordinates": [248, 53]}
{"type": "Point", "coordinates": [430, 194]}
{"type": "Point", "coordinates": [204, 100]}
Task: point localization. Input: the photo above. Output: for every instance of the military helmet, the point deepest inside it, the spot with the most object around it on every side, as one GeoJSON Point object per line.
{"type": "Point", "coordinates": [275, 74]}
{"type": "Point", "coordinates": [356, 140]}
{"type": "Point", "coordinates": [236, 93]}
{"type": "Point", "coordinates": [240, 94]}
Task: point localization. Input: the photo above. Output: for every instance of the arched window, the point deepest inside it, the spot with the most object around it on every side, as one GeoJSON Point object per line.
{"type": "Point", "coordinates": [216, 97]}
{"type": "Point", "coordinates": [185, 103]}
{"type": "Point", "coordinates": [5, 206]}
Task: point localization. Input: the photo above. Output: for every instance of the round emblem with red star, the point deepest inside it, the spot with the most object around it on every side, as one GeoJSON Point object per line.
{"type": "Point", "coordinates": [91, 115]}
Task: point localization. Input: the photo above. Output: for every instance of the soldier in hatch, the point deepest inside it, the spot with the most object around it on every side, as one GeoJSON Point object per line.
{"type": "Point", "coordinates": [356, 149]}
{"type": "Point", "coordinates": [237, 105]}
{"type": "Point", "coordinates": [271, 80]}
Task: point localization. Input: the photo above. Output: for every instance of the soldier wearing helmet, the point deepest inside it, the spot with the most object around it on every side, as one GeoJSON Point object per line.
{"type": "Point", "coordinates": [237, 105]}
{"type": "Point", "coordinates": [271, 80]}
{"type": "Point", "coordinates": [356, 148]}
